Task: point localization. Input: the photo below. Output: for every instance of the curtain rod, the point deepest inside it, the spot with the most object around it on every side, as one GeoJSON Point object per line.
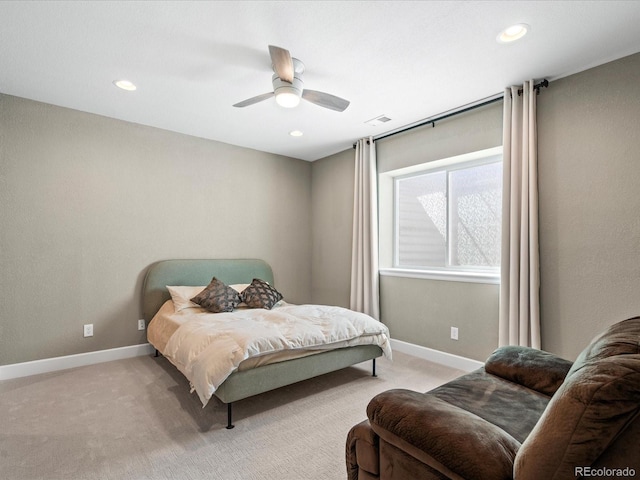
{"type": "Point", "coordinates": [543, 84]}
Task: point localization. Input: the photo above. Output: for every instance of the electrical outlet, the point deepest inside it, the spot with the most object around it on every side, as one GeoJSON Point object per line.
{"type": "Point", "coordinates": [141, 324]}
{"type": "Point", "coordinates": [88, 330]}
{"type": "Point", "coordinates": [454, 333]}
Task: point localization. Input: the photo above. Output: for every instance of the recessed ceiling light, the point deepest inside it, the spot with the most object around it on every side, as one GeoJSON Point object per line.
{"type": "Point", "coordinates": [296, 133]}
{"type": "Point", "coordinates": [513, 33]}
{"type": "Point", "coordinates": [125, 85]}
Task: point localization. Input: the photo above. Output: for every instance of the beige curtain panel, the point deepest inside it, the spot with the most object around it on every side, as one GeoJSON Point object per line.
{"type": "Point", "coordinates": [519, 322]}
{"type": "Point", "coordinates": [365, 295]}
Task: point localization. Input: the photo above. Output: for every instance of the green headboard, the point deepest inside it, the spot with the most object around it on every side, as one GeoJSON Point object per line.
{"type": "Point", "coordinates": [196, 272]}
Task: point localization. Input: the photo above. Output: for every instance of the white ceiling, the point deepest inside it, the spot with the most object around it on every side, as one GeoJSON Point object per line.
{"type": "Point", "coordinates": [192, 61]}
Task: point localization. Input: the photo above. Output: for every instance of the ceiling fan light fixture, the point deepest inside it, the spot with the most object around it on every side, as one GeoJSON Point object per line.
{"type": "Point", "coordinates": [513, 33]}
{"type": "Point", "coordinates": [287, 97]}
{"type": "Point", "coordinates": [287, 94]}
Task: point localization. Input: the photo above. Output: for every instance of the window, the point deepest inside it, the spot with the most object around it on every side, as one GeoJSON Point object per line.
{"type": "Point", "coordinates": [448, 217]}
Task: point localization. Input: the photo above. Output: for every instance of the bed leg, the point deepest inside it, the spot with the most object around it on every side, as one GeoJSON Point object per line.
{"type": "Point", "coordinates": [157, 353]}
{"type": "Point", "coordinates": [374, 368]}
{"type": "Point", "coordinates": [230, 425]}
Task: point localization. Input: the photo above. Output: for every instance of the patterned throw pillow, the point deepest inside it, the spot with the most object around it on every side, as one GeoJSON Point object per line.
{"type": "Point", "coordinates": [217, 297]}
{"type": "Point", "coordinates": [260, 295]}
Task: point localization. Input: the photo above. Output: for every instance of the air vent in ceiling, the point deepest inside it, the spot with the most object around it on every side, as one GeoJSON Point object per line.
{"type": "Point", "coordinates": [374, 122]}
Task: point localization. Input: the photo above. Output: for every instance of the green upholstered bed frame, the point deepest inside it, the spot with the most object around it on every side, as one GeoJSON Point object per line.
{"type": "Point", "coordinates": [243, 384]}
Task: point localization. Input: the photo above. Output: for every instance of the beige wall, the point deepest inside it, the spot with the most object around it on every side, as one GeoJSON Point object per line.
{"type": "Point", "coordinates": [87, 203]}
{"type": "Point", "coordinates": [422, 312]}
{"type": "Point", "coordinates": [332, 215]}
{"type": "Point", "coordinates": [475, 130]}
{"type": "Point", "coordinates": [589, 175]}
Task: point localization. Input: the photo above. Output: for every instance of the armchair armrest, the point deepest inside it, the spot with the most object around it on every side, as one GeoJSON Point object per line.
{"type": "Point", "coordinates": [541, 371]}
{"type": "Point", "coordinates": [362, 451]}
{"type": "Point", "coordinates": [443, 436]}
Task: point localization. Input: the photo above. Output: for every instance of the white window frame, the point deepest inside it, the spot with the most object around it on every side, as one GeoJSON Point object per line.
{"type": "Point", "coordinates": [390, 267]}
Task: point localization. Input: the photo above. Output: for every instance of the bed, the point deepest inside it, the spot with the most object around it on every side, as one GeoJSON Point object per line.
{"type": "Point", "coordinates": [251, 377]}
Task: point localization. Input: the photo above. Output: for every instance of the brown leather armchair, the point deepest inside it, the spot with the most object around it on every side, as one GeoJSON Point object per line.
{"type": "Point", "coordinates": [527, 414]}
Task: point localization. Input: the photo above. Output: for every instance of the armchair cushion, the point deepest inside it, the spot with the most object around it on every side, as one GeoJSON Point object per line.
{"type": "Point", "coordinates": [468, 445]}
{"type": "Point", "coordinates": [541, 371]}
{"type": "Point", "coordinates": [510, 406]}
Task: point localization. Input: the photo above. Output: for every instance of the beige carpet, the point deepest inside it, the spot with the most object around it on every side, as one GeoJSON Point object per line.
{"type": "Point", "coordinates": [135, 419]}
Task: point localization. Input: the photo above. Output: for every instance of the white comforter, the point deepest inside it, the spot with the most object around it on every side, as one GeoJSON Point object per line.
{"type": "Point", "coordinates": [208, 347]}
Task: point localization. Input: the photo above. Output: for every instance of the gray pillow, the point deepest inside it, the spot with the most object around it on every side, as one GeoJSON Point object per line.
{"type": "Point", "coordinates": [217, 297]}
{"type": "Point", "coordinates": [260, 295]}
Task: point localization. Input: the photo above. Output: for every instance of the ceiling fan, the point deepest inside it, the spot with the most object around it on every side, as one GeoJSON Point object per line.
{"type": "Point", "coordinates": [288, 86]}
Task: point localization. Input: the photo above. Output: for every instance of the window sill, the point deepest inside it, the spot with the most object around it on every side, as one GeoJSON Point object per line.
{"type": "Point", "coordinates": [449, 276]}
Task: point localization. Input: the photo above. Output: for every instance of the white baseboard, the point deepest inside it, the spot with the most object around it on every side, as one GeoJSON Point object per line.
{"type": "Point", "coordinates": [444, 358]}
{"type": "Point", "coordinates": [36, 367]}
{"type": "Point", "coordinates": [45, 365]}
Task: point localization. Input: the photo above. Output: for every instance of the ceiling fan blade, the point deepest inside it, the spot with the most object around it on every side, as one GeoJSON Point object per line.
{"type": "Point", "coordinates": [326, 100]}
{"type": "Point", "coordinates": [252, 100]}
{"type": "Point", "coordinates": [282, 63]}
